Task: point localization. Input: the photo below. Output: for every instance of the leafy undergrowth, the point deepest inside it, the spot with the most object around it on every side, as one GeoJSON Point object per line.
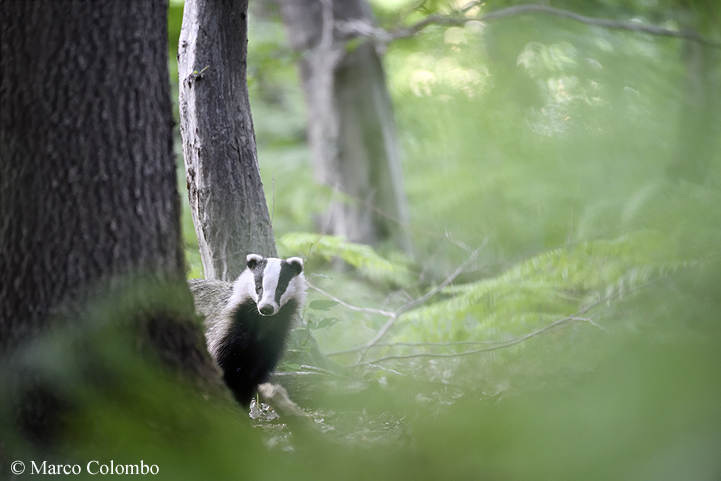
{"type": "Point", "coordinates": [351, 428]}
{"type": "Point", "coordinates": [593, 360]}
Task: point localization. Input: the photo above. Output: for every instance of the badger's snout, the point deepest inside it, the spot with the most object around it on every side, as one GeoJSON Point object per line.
{"type": "Point", "coordinates": [266, 309]}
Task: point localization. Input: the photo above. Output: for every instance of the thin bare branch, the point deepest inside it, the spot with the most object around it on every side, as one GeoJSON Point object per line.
{"type": "Point", "coordinates": [458, 19]}
{"type": "Point", "coordinates": [493, 344]}
{"type": "Point", "coordinates": [576, 317]}
{"type": "Point", "coordinates": [499, 345]}
{"type": "Point", "coordinates": [416, 302]}
{"type": "Point", "coordinates": [369, 310]}
{"type": "Point", "coordinates": [414, 344]}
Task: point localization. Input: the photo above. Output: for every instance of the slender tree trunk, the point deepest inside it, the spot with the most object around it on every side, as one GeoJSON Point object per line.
{"type": "Point", "coordinates": [226, 193]}
{"type": "Point", "coordinates": [88, 188]}
{"type": "Point", "coordinates": [351, 129]}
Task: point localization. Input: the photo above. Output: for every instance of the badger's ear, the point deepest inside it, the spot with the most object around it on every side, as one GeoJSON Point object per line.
{"type": "Point", "coordinates": [296, 263]}
{"type": "Point", "coordinates": [252, 260]}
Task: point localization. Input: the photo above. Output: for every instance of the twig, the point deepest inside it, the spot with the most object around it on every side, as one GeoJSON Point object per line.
{"type": "Point", "coordinates": [450, 344]}
{"type": "Point", "coordinates": [510, 342]}
{"type": "Point", "coordinates": [348, 306]}
{"type": "Point", "coordinates": [413, 344]}
{"type": "Point", "coordinates": [316, 369]}
{"type": "Point", "coordinates": [499, 345]}
{"type": "Point", "coordinates": [416, 302]}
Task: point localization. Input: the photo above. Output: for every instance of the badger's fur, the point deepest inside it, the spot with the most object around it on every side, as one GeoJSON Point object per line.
{"type": "Point", "coordinates": [247, 322]}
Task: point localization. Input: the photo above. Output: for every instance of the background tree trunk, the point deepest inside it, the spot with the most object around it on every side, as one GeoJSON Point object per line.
{"type": "Point", "coordinates": [88, 187]}
{"type": "Point", "coordinates": [226, 193]}
{"type": "Point", "coordinates": [351, 129]}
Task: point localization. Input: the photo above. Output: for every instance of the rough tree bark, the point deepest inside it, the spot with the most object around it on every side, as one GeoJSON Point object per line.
{"type": "Point", "coordinates": [88, 184]}
{"type": "Point", "coordinates": [226, 193]}
{"type": "Point", "coordinates": [88, 202]}
{"type": "Point", "coordinates": [351, 129]}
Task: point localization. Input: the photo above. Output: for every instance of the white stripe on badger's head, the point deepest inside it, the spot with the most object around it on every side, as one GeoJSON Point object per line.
{"type": "Point", "coordinates": [276, 281]}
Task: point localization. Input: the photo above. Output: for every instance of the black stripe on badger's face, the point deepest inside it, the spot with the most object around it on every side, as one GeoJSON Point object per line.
{"type": "Point", "coordinates": [256, 264]}
{"type": "Point", "coordinates": [272, 277]}
{"type": "Point", "coordinates": [287, 272]}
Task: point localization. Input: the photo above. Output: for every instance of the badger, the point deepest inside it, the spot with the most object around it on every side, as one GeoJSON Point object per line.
{"type": "Point", "coordinates": [247, 322]}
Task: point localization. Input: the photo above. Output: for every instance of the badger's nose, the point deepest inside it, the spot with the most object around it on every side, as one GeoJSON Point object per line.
{"type": "Point", "coordinates": [266, 309]}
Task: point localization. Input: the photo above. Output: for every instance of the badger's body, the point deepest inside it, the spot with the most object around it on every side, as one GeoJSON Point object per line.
{"type": "Point", "coordinates": [247, 322]}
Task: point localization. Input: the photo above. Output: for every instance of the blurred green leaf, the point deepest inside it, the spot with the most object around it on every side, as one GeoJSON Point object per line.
{"type": "Point", "coordinates": [321, 305]}
{"type": "Point", "coordinates": [326, 322]}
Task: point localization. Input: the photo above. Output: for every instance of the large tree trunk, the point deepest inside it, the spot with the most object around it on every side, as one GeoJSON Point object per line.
{"type": "Point", "coordinates": [92, 275]}
{"type": "Point", "coordinates": [226, 193]}
{"type": "Point", "coordinates": [351, 129]}
{"type": "Point", "coordinates": [88, 183]}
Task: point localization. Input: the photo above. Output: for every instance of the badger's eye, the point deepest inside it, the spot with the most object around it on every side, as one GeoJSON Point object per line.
{"type": "Point", "coordinates": [258, 286]}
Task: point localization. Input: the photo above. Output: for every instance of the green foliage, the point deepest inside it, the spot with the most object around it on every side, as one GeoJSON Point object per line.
{"type": "Point", "coordinates": [544, 288]}
{"type": "Point", "coordinates": [649, 407]}
{"type": "Point", "coordinates": [554, 142]}
{"type": "Point", "coordinates": [322, 305]}
{"type": "Point", "coordinates": [360, 256]}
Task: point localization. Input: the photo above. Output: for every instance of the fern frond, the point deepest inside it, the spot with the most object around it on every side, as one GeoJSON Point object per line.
{"type": "Point", "coordinates": [541, 288]}
{"type": "Point", "coordinates": [361, 256]}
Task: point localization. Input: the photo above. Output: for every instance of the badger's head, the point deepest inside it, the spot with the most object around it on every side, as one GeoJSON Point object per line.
{"type": "Point", "coordinates": [275, 282]}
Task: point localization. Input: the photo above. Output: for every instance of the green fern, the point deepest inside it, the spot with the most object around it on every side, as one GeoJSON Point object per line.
{"type": "Point", "coordinates": [361, 256]}
{"type": "Point", "coordinates": [543, 288]}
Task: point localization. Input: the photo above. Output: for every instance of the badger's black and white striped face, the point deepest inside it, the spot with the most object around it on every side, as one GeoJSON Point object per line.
{"type": "Point", "coordinates": [275, 282]}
